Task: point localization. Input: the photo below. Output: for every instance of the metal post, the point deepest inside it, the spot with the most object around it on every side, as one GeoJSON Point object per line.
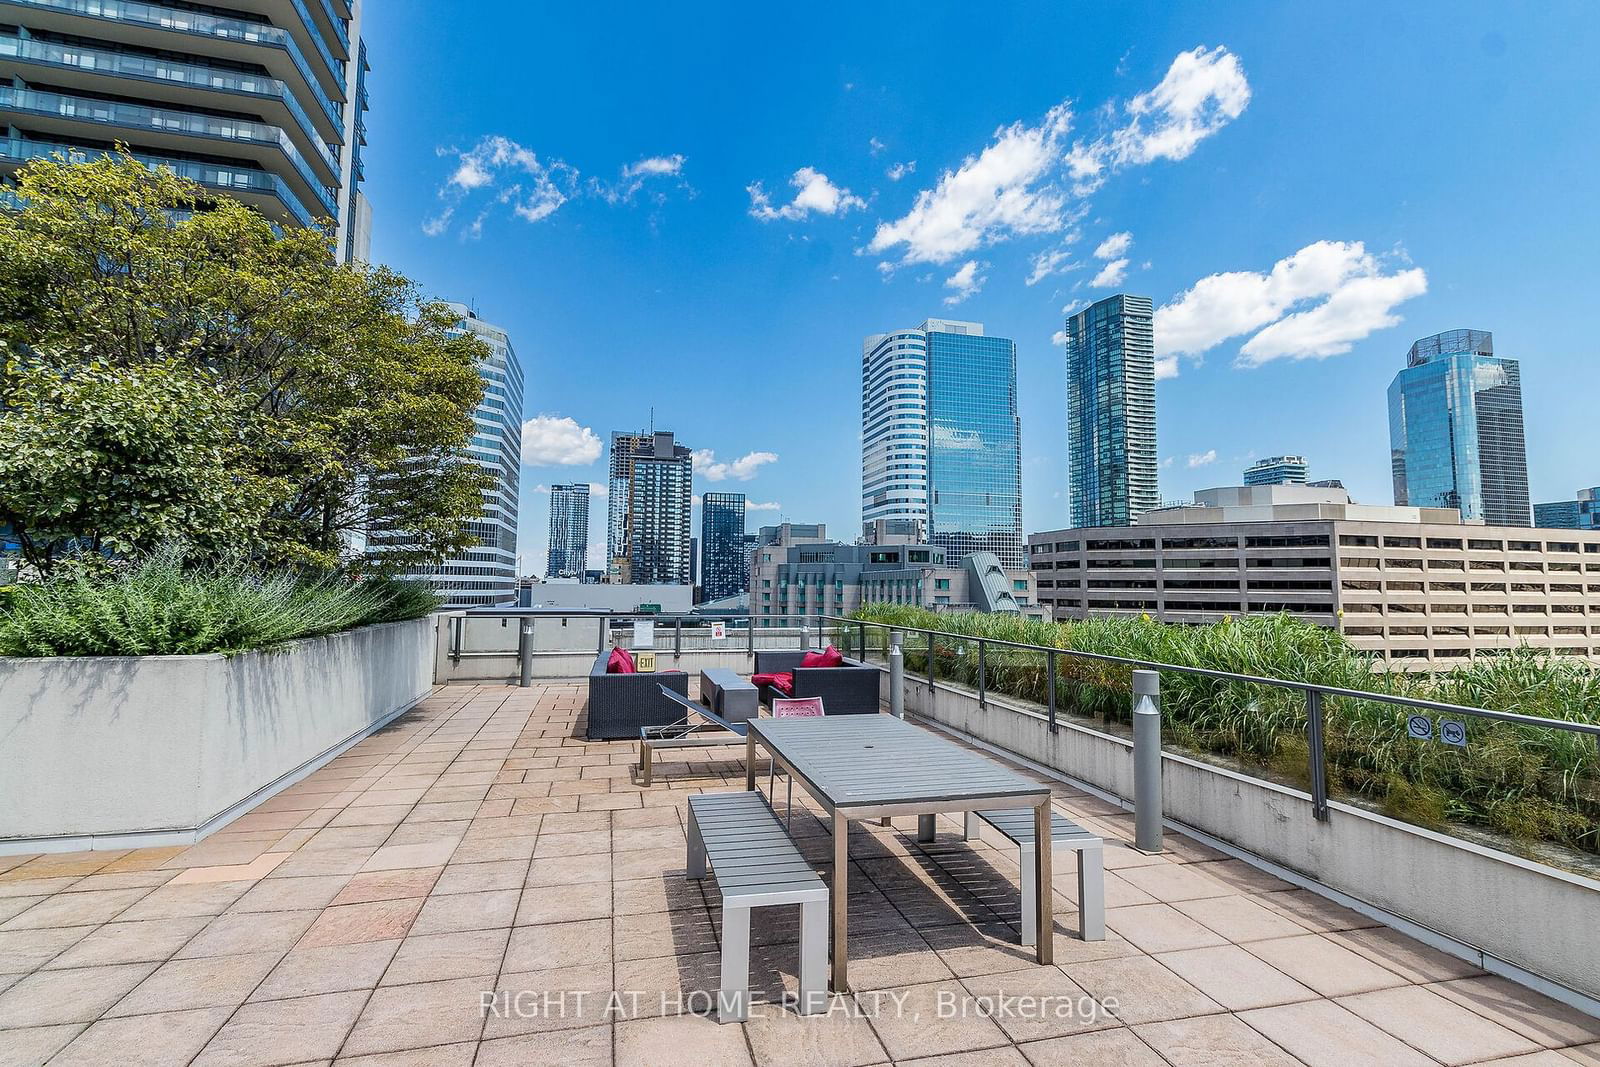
{"type": "Point", "coordinates": [983, 671]}
{"type": "Point", "coordinates": [1319, 756]}
{"type": "Point", "coordinates": [1147, 761]}
{"type": "Point", "coordinates": [805, 634]}
{"type": "Point", "coordinates": [677, 638]}
{"type": "Point", "coordinates": [861, 630]}
{"type": "Point", "coordinates": [930, 667]}
{"type": "Point", "coordinates": [897, 677]}
{"type": "Point", "coordinates": [1050, 683]}
{"type": "Point", "coordinates": [750, 635]}
{"type": "Point", "coordinates": [525, 651]}
{"type": "Point", "coordinates": [603, 629]}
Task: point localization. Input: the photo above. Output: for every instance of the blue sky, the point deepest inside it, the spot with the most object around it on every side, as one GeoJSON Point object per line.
{"type": "Point", "coordinates": [704, 214]}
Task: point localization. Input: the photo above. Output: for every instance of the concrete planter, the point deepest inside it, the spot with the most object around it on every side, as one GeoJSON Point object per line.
{"type": "Point", "coordinates": [1527, 921]}
{"type": "Point", "coordinates": [134, 751]}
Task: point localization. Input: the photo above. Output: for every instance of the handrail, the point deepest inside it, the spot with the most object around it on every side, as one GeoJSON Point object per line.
{"type": "Point", "coordinates": [1281, 683]}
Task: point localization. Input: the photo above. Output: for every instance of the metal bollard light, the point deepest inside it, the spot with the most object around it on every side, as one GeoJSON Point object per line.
{"type": "Point", "coordinates": [897, 677]}
{"type": "Point", "coordinates": [1147, 761]}
{"type": "Point", "coordinates": [525, 652]}
{"type": "Point", "coordinates": [805, 636]}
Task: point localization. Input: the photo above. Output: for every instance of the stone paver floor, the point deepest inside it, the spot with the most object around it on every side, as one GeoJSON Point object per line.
{"type": "Point", "coordinates": [427, 897]}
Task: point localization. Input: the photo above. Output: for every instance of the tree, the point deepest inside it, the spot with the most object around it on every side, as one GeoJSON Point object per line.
{"type": "Point", "coordinates": [343, 397]}
{"type": "Point", "coordinates": [75, 436]}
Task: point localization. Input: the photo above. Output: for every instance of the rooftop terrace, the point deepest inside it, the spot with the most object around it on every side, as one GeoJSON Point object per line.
{"type": "Point", "coordinates": [479, 849]}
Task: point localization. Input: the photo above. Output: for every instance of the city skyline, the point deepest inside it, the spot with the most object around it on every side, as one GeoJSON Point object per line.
{"type": "Point", "coordinates": [1261, 240]}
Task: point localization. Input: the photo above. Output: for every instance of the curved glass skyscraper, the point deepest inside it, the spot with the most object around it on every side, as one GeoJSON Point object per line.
{"type": "Point", "coordinates": [940, 436]}
{"type": "Point", "coordinates": [1111, 411]}
{"type": "Point", "coordinates": [1455, 429]}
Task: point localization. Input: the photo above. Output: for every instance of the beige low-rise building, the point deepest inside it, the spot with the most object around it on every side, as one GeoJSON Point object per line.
{"type": "Point", "coordinates": [1415, 585]}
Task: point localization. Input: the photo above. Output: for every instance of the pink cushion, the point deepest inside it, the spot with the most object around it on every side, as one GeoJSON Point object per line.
{"type": "Point", "coordinates": [829, 658]}
{"type": "Point", "coordinates": [782, 681]}
{"type": "Point", "coordinates": [621, 662]}
{"type": "Point", "coordinates": [799, 708]}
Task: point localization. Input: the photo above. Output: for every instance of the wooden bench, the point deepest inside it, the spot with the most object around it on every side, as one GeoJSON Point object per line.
{"type": "Point", "coordinates": [1016, 826]}
{"type": "Point", "coordinates": [757, 865]}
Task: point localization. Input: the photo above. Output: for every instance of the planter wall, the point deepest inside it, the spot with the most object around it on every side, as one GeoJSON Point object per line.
{"type": "Point", "coordinates": [121, 752]}
{"type": "Point", "coordinates": [1531, 922]}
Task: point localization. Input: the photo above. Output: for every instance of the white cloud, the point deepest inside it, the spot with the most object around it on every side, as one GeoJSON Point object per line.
{"type": "Point", "coordinates": [742, 469]}
{"type": "Point", "coordinates": [552, 440]}
{"type": "Point", "coordinates": [1001, 192]}
{"type": "Point", "coordinates": [535, 191]}
{"type": "Point", "coordinates": [900, 170]}
{"type": "Point", "coordinates": [816, 194]}
{"type": "Point", "coordinates": [1051, 261]}
{"type": "Point", "coordinates": [876, 146]}
{"type": "Point", "coordinates": [965, 282]}
{"type": "Point", "coordinates": [1114, 247]}
{"type": "Point", "coordinates": [1203, 90]}
{"type": "Point", "coordinates": [595, 490]}
{"type": "Point", "coordinates": [1110, 274]}
{"type": "Point", "coordinates": [1023, 182]}
{"type": "Point", "coordinates": [1059, 338]}
{"type": "Point", "coordinates": [1357, 296]}
{"type": "Point", "coordinates": [1166, 367]}
{"type": "Point", "coordinates": [756, 505]}
{"type": "Point", "coordinates": [636, 174]}
{"type": "Point", "coordinates": [1201, 459]}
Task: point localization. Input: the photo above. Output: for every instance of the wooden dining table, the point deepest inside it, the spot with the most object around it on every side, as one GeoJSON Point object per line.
{"type": "Point", "coordinates": [871, 766]}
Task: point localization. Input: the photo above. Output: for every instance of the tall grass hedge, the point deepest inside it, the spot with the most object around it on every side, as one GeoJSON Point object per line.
{"type": "Point", "coordinates": [1531, 783]}
{"type": "Point", "coordinates": [158, 606]}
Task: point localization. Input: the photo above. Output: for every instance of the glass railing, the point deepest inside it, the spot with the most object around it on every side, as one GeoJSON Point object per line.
{"type": "Point", "coordinates": [228, 29]}
{"type": "Point", "coordinates": [136, 116]}
{"type": "Point", "coordinates": [333, 20]}
{"type": "Point", "coordinates": [167, 70]}
{"type": "Point", "coordinates": [215, 175]}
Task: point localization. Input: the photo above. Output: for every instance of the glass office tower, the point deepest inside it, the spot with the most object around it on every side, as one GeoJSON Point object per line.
{"type": "Point", "coordinates": [1111, 411]}
{"type": "Point", "coordinates": [894, 427]}
{"type": "Point", "coordinates": [260, 100]}
{"type": "Point", "coordinates": [940, 436]}
{"type": "Point", "coordinates": [486, 573]}
{"type": "Point", "coordinates": [724, 564]}
{"type": "Point", "coordinates": [974, 442]}
{"type": "Point", "coordinates": [1580, 514]}
{"type": "Point", "coordinates": [1455, 430]}
{"type": "Point", "coordinates": [569, 531]}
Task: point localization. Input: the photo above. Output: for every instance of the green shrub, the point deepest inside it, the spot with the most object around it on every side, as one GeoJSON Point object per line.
{"type": "Point", "coordinates": [1530, 782]}
{"type": "Point", "coordinates": [159, 607]}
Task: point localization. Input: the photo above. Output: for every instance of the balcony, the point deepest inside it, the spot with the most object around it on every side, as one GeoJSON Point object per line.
{"type": "Point", "coordinates": [151, 26]}
{"type": "Point", "coordinates": [261, 189]}
{"type": "Point", "coordinates": [478, 883]}
{"type": "Point", "coordinates": [168, 81]}
{"type": "Point", "coordinates": [63, 116]}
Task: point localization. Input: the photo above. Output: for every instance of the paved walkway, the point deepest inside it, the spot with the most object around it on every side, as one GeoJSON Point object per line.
{"type": "Point", "coordinates": [477, 852]}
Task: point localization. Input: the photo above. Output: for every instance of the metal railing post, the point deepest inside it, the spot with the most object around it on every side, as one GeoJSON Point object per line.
{"type": "Point", "coordinates": [983, 673]}
{"type": "Point", "coordinates": [1319, 755]}
{"type": "Point", "coordinates": [1050, 683]}
{"type": "Point", "coordinates": [861, 631]}
{"type": "Point", "coordinates": [930, 668]}
{"type": "Point", "coordinates": [750, 635]}
{"type": "Point", "coordinates": [458, 636]}
{"type": "Point", "coordinates": [604, 626]}
{"type": "Point", "coordinates": [525, 652]}
{"type": "Point", "coordinates": [1147, 761]}
{"type": "Point", "coordinates": [897, 677]}
{"type": "Point", "coordinates": [677, 638]}
{"type": "Point", "coordinates": [805, 635]}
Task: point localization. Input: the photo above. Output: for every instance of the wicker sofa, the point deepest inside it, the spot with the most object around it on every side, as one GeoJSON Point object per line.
{"type": "Point", "coordinates": [848, 690]}
{"type": "Point", "coordinates": [619, 704]}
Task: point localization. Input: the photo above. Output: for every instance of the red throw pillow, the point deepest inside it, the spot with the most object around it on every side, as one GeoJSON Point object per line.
{"type": "Point", "coordinates": [783, 682]}
{"type": "Point", "coordinates": [620, 662]}
{"type": "Point", "coordinates": [829, 658]}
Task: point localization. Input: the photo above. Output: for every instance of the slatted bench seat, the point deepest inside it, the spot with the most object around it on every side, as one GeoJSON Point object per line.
{"type": "Point", "coordinates": [757, 865]}
{"type": "Point", "coordinates": [1016, 825]}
